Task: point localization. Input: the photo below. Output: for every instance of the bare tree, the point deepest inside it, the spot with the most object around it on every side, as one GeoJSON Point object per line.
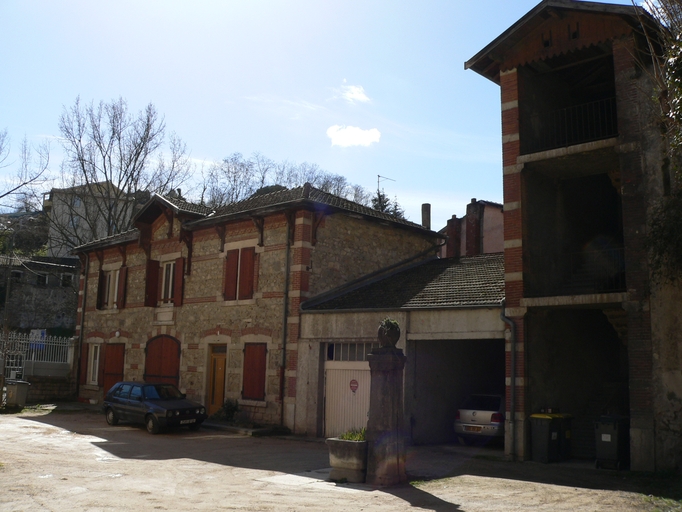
{"type": "Point", "coordinates": [33, 163]}
{"type": "Point", "coordinates": [114, 160]}
{"type": "Point", "coordinates": [235, 178]}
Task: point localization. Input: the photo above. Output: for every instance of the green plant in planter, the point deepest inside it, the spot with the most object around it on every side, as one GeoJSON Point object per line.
{"type": "Point", "coordinates": [388, 324]}
{"type": "Point", "coordinates": [354, 435]}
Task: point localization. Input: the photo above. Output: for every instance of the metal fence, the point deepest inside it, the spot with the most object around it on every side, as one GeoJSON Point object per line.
{"type": "Point", "coordinates": [17, 349]}
{"type": "Point", "coordinates": [573, 125]}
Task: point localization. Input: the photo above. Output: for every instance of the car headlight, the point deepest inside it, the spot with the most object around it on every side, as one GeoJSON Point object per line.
{"type": "Point", "coordinates": [202, 410]}
{"type": "Point", "coordinates": [177, 413]}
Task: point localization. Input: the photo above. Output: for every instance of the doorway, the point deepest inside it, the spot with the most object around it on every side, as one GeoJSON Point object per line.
{"type": "Point", "coordinates": [216, 387]}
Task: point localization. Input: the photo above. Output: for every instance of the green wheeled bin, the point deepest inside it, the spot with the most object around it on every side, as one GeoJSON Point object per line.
{"type": "Point", "coordinates": [545, 437]}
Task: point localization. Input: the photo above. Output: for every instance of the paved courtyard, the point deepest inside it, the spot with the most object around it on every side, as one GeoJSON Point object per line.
{"type": "Point", "coordinates": [70, 459]}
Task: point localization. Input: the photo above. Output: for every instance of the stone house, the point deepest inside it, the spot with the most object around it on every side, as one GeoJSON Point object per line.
{"type": "Point", "coordinates": [209, 300]}
{"type": "Point", "coordinates": [449, 309]}
{"type": "Point", "coordinates": [582, 165]}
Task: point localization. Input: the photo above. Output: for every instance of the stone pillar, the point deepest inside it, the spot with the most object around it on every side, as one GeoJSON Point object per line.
{"type": "Point", "coordinates": [385, 426]}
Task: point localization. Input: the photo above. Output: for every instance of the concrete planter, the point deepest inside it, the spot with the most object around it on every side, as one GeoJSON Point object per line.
{"type": "Point", "coordinates": [348, 460]}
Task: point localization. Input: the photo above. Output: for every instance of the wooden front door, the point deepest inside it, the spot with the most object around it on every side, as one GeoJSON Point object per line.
{"type": "Point", "coordinates": [216, 386]}
{"type": "Point", "coordinates": [114, 355]}
{"type": "Point", "coordinates": [162, 363]}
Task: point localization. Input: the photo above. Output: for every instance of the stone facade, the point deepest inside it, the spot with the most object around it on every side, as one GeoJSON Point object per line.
{"type": "Point", "coordinates": [325, 251]}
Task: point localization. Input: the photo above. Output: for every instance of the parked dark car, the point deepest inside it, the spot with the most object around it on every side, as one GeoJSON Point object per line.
{"type": "Point", "coordinates": [480, 417]}
{"type": "Point", "coordinates": [154, 405]}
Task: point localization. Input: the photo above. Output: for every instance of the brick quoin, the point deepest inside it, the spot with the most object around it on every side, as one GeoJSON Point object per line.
{"type": "Point", "coordinates": [294, 332]}
{"type": "Point", "coordinates": [304, 233]}
{"type": "Point", "coordinates": [514, 294]}
{"type": "Point", "coordinates": [135, 345]}
{"type": "Point", "coordinates": [510, 121]}
{"type": "Point", "coordinates": [302, 255]}
{"type": "Point", "coordinates": [510, 152]}
{"type": "Point", "coordinates": [513, 259]}
{"type": "Point", "coordinates": [292, 359]}
{"type": "Point", "coordinates": [512, 187]}
{"type": "Point", "coordinates": [509, 87]}
{"type": "Point", "coordinates": [304, 214]}
{"type": "Point", "coordinates": [513, 221]}
{"type": "Point", "coordinates": [192, 369]}
{"type": "Point", "coordinates": [193, 346]}
{"type": "Point", "coordinates": [291, 387]}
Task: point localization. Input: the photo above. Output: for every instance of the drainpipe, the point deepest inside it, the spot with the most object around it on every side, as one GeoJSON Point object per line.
{"type": "Point", "coordinates": [285, 319]}
{"type": "Point", "coordinates": [512, 339]}
{"type": "Point", "coordinates": [81, 336]}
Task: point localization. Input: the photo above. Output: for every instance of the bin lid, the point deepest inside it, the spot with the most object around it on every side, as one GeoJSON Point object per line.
{"type": "Point", "coordinates": [553, 416]}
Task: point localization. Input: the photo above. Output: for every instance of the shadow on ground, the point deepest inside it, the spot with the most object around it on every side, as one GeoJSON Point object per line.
{"type": "Point", "coordinates": [296, 455]}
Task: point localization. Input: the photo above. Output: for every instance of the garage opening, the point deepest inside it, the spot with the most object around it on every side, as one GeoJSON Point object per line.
{"type": "Point", "coordinates": [440, 375]}
{"type": "Point", "coordinates": [162, 361]}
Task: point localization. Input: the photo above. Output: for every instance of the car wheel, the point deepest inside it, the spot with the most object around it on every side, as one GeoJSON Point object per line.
{"type": "Point", "coordinates": [463, 440]}
{"type": "Point", "coordinates": [152, 424]}
{"type": "Point", "coordinates": [112, 419]}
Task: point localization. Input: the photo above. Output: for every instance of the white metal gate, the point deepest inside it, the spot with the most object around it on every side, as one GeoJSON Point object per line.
{"type": "Point", "coordinates": [347, 386]}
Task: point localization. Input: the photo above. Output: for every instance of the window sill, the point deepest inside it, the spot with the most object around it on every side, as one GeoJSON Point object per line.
{"type": "Point", "coordinates": [110, 311]}
{"type": "Point", "coordinates": [252, 403]}
{"type": "Point", "coordinates": [245, 302]}
{"type": "Point", "coordinates": [90, 387]}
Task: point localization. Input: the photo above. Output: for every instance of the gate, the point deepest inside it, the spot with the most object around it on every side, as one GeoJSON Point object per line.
{"type": "Point", "coordinates": [347, 386]}
{"type": "Point", "coordinates": [114, 354]}
{"type": "Point", "coordinates": [162, 362]}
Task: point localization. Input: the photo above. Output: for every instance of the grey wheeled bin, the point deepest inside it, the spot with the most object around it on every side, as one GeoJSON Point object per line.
{"type": "Point", "coordinates": [17, 391]}
{"type": "Point", "coordinates": [545, 437]}
{"type": "Point", "coordinates": [612, 437]}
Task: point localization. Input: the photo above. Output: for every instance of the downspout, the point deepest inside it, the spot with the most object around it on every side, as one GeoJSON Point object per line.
{"type": "Point", "coordinates": [285, 319]}
{"type": "Point", "coordinates": [81, 335]}
{"type": "Point", "coordinates": [512, 393]}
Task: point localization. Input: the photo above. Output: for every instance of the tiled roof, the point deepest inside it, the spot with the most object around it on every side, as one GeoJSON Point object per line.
{"type": "Point", "coordinates": [305, 193]}
{"type": "Point", "coordinates": [451, 282]}
{"type": "Point", "coordinates": [126, 236]}
{"type": "Point", "coordinates": [184, 206]}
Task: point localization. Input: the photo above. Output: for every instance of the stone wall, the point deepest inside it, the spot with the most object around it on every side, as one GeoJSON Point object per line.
{"type": "Point", "coordinates": [346, 248]}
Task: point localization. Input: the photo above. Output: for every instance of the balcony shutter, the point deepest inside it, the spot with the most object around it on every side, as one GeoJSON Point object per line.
{"type": "Point", "coordinates": [246, 273]}
{"type": "Point", "coordinates": [255, 362]}
{"type": "Point", "coordinates": [84, 365]}
{"type": "Point", "coordinates": [178, 281]}
{"type": "Point", "coordinates": [122, 281]}
{"type": "Point", "coordinates": [101, 289]}
{"type": "Point", "coordinates": [231, 266]}
{"type": "Point", "coordinates": [151, 296]}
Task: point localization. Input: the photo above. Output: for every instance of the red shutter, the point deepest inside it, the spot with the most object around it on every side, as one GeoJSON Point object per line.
{"type": "Point", "coordinates": [255, 359]}
{"type": "Point", "coordinates": [122, 281]}
{"type": "Point", "coordinates": [84, 365]}
{"type": "Point", "coordinates": [230, 284]}
{"type": "Point", "coordinates": [101, 289]}
{"type": "Point", "coordinates": [246, 273]}
{"type": "Point", "coordinates": [151, 296]}
{"type": "Point", "coordinates": [178, 281]}
{"type": "Point", "coordinates": [100, 368]}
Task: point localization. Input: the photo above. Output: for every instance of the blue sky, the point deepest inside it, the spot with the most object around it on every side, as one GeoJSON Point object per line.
{"type": "Point", "coordinates": [360, 87]}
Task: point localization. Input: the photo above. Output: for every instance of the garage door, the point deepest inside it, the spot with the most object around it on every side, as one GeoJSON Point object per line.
{"type": "Point", "coordinates": [162, 362]}
{"type": "Point", "coordinates": [347, 386]}
{"type": "Point", "coordinates": [114, 355]}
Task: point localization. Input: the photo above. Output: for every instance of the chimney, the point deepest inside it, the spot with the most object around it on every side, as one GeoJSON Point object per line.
{"type": "Point", "coordinates": [474, 224]}
{"type": "Point", "coordinates": [426, 215]}
{"type": "Point", "coordinates": [454, 234]}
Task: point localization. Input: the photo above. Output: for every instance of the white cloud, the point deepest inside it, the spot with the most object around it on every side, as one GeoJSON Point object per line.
{"type": "Point", "coordinates": [354, 94]}
{"type": "Point", "coordinates": [346, 136]}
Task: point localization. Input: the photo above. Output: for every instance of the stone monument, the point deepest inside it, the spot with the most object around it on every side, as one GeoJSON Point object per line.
{"type": "Point", "coordinates": [385, 426]}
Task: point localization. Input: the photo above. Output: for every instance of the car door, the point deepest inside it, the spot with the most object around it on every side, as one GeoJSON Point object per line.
{"type": "Point", "coordinates": [119, 401]}
{"type": "Point", "coordinates": [136, 406]}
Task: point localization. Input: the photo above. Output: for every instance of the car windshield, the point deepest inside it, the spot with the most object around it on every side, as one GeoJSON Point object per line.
{"type": "Point", "coordinates": [161, 392]}
{"type": "Point", "coordinates": [482, 403]}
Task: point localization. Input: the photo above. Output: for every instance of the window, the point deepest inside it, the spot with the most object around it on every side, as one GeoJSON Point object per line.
{"type": "Point", "coordinates": [350, 351]}
{"type": "Point", "coordinates": [111, 291]}
{"type": "Point", "coordinates": [239, 274]}
{"type": "Point", "coordinates": [41, 279]}
{"type": "Point", "coordinates": [66, 280]}
{"type": "Point", "coordinates": [93, 364]}
{"type": "Point", "coordinates": [136, 393]}
{"type": "Point", "coordinates": [164, 283]}
{"type": "Point", "coordinates": [255, 363]}
{"type": "Point", "coordinates": [16, 275]}
{"type": "Point", "coordinates": [76, 202]}
{"type": "Point", "coordinates": [168, 282]}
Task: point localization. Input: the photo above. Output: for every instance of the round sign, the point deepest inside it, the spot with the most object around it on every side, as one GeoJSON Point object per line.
{"type": "Point", "coordinates": [353, 385]}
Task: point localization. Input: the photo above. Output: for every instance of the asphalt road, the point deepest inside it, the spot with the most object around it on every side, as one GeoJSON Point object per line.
{"type": "Point", "coordinates": [73, 460]}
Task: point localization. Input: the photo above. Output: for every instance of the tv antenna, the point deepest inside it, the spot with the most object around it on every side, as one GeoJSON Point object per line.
{"type": "Point", "coordinates": [380, 179]}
